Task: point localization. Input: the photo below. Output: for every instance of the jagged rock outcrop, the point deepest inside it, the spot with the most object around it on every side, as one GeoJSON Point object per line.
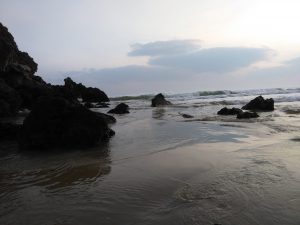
{"type": "Point", "coordinates": [122, 108]}
{"type": "Point", "coordinates": [260, 104]}
{"type": "Point", "coordinates": [57, 118]}
{"type": "Point", "coordinates": [87, 94]}
{"type": "Point", "coordinates": [228, 111]}
{"type": "Point", "coordinates": [17, 79]}
{"type": "Point", "coordinates": [11, 56]}
{"type": "Point", "coordinates": [55, 122]}
{"type": "Point", "coordinates": [159, 100]}
{"type": "Point", "coordinates": [20, 87]}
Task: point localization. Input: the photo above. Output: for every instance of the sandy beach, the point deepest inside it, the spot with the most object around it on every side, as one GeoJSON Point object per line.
{"type": "Point", "coordinates": [161, 168]}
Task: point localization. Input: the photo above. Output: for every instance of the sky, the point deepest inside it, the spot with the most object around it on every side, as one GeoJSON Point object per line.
{"type": "Point", "coordinates": [131, 47]}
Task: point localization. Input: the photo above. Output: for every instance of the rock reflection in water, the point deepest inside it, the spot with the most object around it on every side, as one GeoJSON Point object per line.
{"type": "Point", "coordinates": [158, 113]}
{"type": "Point", "coordinates": [53, 171]}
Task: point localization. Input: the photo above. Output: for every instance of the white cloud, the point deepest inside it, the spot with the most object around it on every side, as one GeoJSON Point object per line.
{"type": "Point", "coordinates": [159, 48]}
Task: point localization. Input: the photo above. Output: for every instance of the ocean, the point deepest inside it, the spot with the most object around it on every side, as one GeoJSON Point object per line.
{"type": "Point", "coordinates": [161, 168]}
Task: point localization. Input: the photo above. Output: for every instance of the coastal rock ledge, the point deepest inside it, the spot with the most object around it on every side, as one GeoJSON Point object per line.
{"type": "Point", "coordinates": [57, 119]}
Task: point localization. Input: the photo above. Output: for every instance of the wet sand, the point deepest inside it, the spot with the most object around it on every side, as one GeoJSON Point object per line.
{"type": "Point", "coordinates": [162, 169]}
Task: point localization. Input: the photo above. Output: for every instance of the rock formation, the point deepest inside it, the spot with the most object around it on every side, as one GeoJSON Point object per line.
{"type": "Point", "coordinates": [57, 118]}
{"type": "Point", "coordinates": [260, 104]}
{"type": "Point", "coordinates": [87, 94]}
{"type": "Point", "coordinates": [122, 108]}
{"type": "Point", "coordinates": [55, 122]}
{"type": "Point", "coordinates": [159, 100]}
{"type": "Point", "coordinates": [227, 111]}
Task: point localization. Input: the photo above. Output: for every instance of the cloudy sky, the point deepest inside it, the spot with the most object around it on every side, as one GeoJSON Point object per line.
{"type": "Point", "coordinates": [128, 47]}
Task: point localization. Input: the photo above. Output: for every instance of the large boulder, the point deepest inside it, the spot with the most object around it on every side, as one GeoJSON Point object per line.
{"type": "Point", "coordinates": [122, 108]}
{"type": "Point", "coordinates": [159, 100]}
{"type": "Point", "coordinates": [227, 111]}
{"type": "Point", "coordinates": [93, 95]}
{"type": "Point", "coordinates": [247, 115]}
{"type": "Point", "coordinates": [55, 122]}
{"type": "Point", "coordinates": [260, 104]}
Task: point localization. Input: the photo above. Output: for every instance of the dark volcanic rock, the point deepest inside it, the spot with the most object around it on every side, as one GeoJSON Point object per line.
{"type": "Point", "coordinates": [9, 131]}
{"type": "Point", "coordinates": [55, 122]}
{"type": "Point", "coordinates": [259, 103]}
{"type": "Point", "coordinates": [159, 100]}
{"type": "Point", "coordinates": [122, 108]}
{"type": "Point", "coordinates": [227, 111]}
{"type": "Point", "coordinates": [247, 115]}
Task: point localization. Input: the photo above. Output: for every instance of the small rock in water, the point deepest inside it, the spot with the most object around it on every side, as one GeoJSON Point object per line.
{"type": "Point", "coordinates": [122, 108]}
{"type": "Point", "coordinates": [187, 116]}
{"type": "Point", "coordinates": [259, 103]}
{"type": "Point", "coordinates": [247, 115]}
{"type": "Point", "coordinates": [227, 111]}
{"type": "Point", "coordinates": [159, 100]}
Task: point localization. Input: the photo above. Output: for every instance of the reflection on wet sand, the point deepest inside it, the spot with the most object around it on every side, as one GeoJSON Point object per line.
{"type": "Point", "coordinates": [54, 172]}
